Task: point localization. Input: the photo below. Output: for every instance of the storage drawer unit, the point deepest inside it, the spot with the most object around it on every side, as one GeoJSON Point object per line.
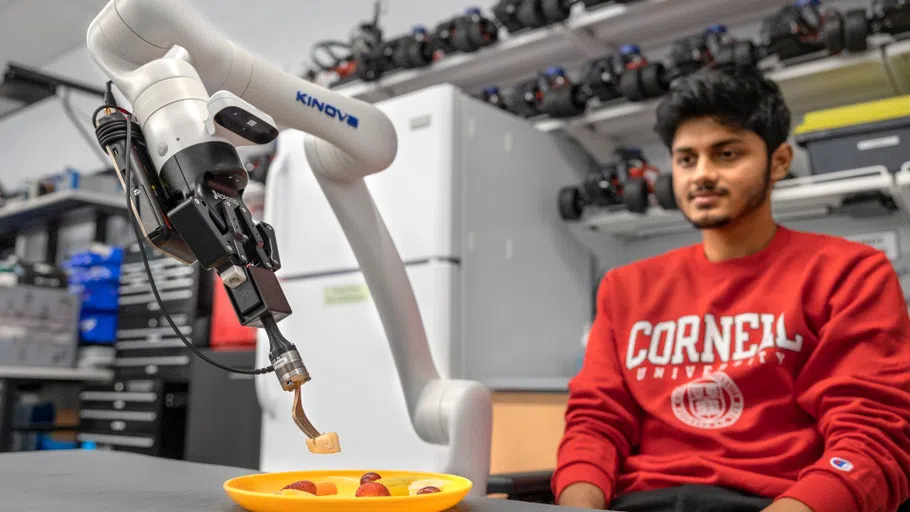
{"type": "Point", "coordinates": [143, 416]}
{"type": "Point", "coordinates": [857, 136]}
{"type": "Point", "coordinates": [147, 346]}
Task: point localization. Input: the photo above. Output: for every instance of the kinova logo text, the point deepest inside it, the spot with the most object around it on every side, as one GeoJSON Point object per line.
{"type": "Point", "coordinates": [329, 110]}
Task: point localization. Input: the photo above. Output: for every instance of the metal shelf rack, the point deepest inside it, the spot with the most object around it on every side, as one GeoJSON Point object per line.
{"type": "Point", "coordinates": [806, 197]}
{"type": "Point", "coordinates": [586, 34]}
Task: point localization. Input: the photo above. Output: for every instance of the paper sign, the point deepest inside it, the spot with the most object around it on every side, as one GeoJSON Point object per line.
{"type": "Point", "coordinates": [348, 294]}
{"type": "Point", "coordinates": [885, 242]}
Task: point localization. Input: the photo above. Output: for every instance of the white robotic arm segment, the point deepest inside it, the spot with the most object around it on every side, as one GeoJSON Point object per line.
{"type": "Point", "coordinates": [357, 139]}
{"type": "Point", "coordinates": [352, 138]}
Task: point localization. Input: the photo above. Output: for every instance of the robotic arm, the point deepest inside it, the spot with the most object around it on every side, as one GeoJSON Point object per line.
{"type": "Point", "coordinates": [164, 58]}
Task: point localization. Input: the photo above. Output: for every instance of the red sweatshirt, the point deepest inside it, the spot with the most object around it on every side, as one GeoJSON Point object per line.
{"type": "Point", "coordinates": [785, 373]}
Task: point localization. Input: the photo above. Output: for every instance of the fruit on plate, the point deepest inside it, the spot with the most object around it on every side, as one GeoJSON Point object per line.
{"type": "Point", "coordinates": [345, 485]}
{"type": "Point", "coordinates": [369, 484]}
{"type": "Point", "coordinates": [293, 492]}
{"type": "Point", "coordinates": [302, 485]}
{"type": "Point", "coordinates": [397, 486]}
{"type": "Point", "coordinates": [371, 489]}
{"type": "Point", "coordinates": [369, 477]}
{"type": "Point", "coordinates": [326, 488]}
{"type": "Point", "coordinates": [415, 486]}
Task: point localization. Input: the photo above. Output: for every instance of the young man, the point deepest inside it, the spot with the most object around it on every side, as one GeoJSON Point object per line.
{"type": "Point", "coordinates": [761, 369]}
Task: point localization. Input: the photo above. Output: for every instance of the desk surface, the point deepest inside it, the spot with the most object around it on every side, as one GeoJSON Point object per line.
{"type": "Point", "coordinates": [97, 481]}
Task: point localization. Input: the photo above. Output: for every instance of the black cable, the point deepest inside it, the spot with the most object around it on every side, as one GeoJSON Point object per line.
{"type": "Point", "coordinates": [327, 47]}
{"type": "Point", "coordinates": [71, 114]}
{"type": "Point", "coordinates": [106, 133]}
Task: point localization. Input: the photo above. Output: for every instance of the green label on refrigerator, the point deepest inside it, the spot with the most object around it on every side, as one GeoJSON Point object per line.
{"type": "Point", "coordinates": [348, 294]}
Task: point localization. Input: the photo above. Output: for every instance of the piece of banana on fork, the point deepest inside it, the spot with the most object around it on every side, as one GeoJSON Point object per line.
{"type": "Point", "coordinates": [292, 374]}
{"type": "Point", "coordinates": [316, 442]}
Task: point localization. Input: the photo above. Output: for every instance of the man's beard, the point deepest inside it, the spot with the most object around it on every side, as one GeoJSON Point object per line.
{"type": "Point", "coordinates": [753, 202]}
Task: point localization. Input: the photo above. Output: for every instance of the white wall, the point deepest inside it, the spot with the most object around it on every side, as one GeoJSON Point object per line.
{"type": "Point", "coordinates": [41, 140]}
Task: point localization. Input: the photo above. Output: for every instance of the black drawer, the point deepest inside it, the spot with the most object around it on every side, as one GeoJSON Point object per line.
{"type": "Point", "coordinates": [133, 265]}
{"type": "Point", "coordinates": [175, 301]}
{"type": "Point", "coordinates": [166, 278]}
{"type": "Point", "coordinates": [132, 347]}
{"type": "Point", "coordinates": [166, 368]}
{"type": "Point", "coordinates": [144, 415]}
{"type": "Point", "coordinates": [153, 325]}
{"type": "Point", "coordinates": [137, 341]}
{"type": "Point", "coordinates": [145, 444]}
{"type": "Point", "coordinates": [120, 422]}
{"type": "Point", "coordinates": [150, 309]}
{"type": "Point", "coordinates": [120, 401]}
{"type": "Point", "coordinates": [127, 385]}
{"type": "Point", "coordinates": [147, 346]}
{"type": "Point", "coordinates": [168, 355]}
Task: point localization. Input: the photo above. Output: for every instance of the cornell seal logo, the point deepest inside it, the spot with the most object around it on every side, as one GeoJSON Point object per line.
{"type": "Point", "coordinates": [713, 401]}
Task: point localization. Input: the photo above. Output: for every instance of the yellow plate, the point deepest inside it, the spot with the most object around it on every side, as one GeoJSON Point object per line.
{"type": "Point", "coordinates": [256, 493]}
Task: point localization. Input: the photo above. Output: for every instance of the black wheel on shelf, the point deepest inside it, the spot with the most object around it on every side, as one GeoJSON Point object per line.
{"type": "Point", "coordinates": [571, 205]}
{"type": "Point", "coordinates": [653, 81]}
{"type": "Point", "coordinates": [635, 195]}
{"type": "Point", "coordinates": [368, 68]}
{"type": "Point", "coordinates": [522, 100]}
{"type": "Point", "coordinates": [420, 54]}
{"type": "Point", "coordinates": [630, 85]}
{"type": "Point", "coordinates": [505, 11]}
{"type": "Point", "coordinates": [483, 33]}
{"type": "Point", "coordinates": [530, 14]}
{"type": "Point", "coordinates": [444, 36]}
{"type": "Point", "coordinates": [745, 53]}
{"type": "Point", "coordinates": [856, 30]}
{"type": "Point", "coordinates": [400, 54]}
{"type": "Point", "coordinates": [563, 102]}
{"type": "Point", "coordinates": [832, 33]}
{"type": "Point", "coordinates": [663, 189]}
{"type": "Point", "coordinates": [556, 11]}
{"type": "Point", "coordinates": [461, 38]}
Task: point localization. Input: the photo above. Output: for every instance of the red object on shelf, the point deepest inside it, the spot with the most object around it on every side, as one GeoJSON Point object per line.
{"type": "Point", "coordinates": [227, 333]}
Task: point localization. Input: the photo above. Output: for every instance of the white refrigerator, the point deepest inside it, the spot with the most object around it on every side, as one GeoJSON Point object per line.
{"type": "Point", "coordinates": [504, 290]}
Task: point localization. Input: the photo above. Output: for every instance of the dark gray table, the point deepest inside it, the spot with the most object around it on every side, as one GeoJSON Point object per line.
{"type": "Point", "coordinates": [99, 481]}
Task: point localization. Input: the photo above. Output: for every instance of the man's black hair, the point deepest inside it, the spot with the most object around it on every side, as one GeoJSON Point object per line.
{"type": "Point", "coordinates": [741, 98]}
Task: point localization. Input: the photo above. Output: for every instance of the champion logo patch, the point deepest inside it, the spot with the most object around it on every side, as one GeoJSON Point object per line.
{"type": "Point", "coordinates": [841, 464]}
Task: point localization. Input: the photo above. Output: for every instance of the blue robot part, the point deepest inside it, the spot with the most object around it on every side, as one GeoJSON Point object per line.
{"type": "Point", "coordinates": [555, 71]}
{"type": "Point", "coordinates": [717, 28]}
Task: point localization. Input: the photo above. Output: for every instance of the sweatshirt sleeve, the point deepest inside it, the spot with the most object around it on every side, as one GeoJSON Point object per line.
{"type": "Point", "coordinates": [602, 419]}
{"type": "Point", "coordinates": [856, 384]}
